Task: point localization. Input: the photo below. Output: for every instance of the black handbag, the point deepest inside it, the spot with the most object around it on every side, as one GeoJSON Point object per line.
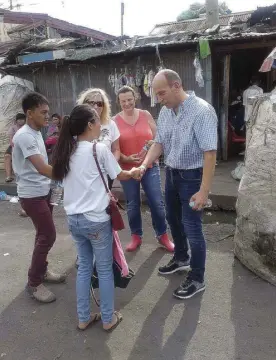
{"type": "Point", "coordinates": [120, 281]}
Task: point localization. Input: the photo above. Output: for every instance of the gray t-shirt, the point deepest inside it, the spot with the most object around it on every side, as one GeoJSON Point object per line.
{"type": "Point", "coordinates": [30, 183]}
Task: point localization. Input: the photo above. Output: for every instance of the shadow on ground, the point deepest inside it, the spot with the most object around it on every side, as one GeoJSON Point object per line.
{"type": "Point", "coordinates": [31, 331]}
{"type": "Point", "coordinates": [151, 336]}
{"type": "Point", "coordinates": [150, 340]}
{"type": "Point", "coordinates": [253, 315]}
{"type": "Point", "coordinates": [233, 320]}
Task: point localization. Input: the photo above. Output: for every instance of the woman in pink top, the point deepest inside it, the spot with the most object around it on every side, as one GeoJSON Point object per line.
{"type": "Point", "coordinates": [137, 129]}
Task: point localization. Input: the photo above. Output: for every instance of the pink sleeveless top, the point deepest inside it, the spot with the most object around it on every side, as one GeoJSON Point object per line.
{"type": "Point", "coordinates": [133, 137]}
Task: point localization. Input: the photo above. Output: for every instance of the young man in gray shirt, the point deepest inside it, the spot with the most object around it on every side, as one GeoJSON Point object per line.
{"type": "Point", "coordinates": [30, 164]}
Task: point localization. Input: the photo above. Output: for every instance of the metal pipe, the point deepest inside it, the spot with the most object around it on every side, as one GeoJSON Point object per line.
{"type": "Point", "coordinates": [122, 17]}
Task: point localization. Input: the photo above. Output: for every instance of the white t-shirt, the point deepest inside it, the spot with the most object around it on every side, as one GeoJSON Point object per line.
{"type": "Point", "coordinates": [30, 183]}
{"type": "Point", "coordinates": [109, 134]}
{"type": "Point", "coordinates": [251, 92]}
{"type": "Point", "coordinates": [84, 191]}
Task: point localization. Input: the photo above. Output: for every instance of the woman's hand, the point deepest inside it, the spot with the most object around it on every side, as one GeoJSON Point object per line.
{"type": "Point", "coordinates": [133, 159]}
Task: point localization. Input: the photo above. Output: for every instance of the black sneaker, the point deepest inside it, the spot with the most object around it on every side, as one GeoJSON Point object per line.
{"type": "Point", "coordinates": [188, 289]}
{"type": "Point", "coordinates": [174, 266]}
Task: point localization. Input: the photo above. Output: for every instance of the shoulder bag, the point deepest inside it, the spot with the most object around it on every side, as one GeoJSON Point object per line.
{"type": "Point", "coordinates": [114, 205]}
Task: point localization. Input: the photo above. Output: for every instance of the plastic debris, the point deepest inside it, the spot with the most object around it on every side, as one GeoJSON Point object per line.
{"type": "Point", "coordinates": [237, 174]}
{"type": "Point", "coordinates": [198, 73]}
{"type": "Point", "coordinates": [57, 194]}
{"type": "Point", "coordinates": [4, 196]}
{"type": "Point", "coordinates": [207, 205]}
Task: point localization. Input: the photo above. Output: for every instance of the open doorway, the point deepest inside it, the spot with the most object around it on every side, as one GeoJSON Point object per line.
{"type": "Point", "coordinates": [235, 72]}
{"type": "Point", "coordinates": [244, 65]}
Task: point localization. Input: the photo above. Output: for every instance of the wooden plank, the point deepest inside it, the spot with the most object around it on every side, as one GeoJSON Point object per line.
{"type": "Point", "coordinates": [209, 80]}
{"type": "Point", "coordinates": [224, 108]}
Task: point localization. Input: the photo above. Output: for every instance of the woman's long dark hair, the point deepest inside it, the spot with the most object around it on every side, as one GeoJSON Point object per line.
{"type": "Point", "coordinates": [73, 125]}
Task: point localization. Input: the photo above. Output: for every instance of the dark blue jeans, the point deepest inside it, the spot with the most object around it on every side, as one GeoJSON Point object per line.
{"type": "Point", "coordinates": [185, 223]}
{"type": "Point", "coordinates": [151, 184]}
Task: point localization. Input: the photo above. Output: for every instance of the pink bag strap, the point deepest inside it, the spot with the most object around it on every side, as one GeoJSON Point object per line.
{"type": "Point", "coordinates": [118, 254]}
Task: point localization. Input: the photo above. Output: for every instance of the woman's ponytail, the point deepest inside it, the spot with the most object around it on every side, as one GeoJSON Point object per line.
{"type": "Point", "coordinates": [63, 150]}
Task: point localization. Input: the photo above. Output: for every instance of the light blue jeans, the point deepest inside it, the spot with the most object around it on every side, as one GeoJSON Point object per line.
{"type": "Point", "coordinates": [151, 184]}
{"type": "Point", "coordinates": [93, 240]}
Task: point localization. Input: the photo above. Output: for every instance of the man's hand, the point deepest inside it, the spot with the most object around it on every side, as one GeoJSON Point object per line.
{"type": "Point", "coordinates": [200, 200]}
{"type": "Point", "coordinates": [149, 143]}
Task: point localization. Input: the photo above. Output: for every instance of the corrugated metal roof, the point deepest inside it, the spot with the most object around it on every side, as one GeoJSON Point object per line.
{"type": "Point", "coordinates": [14, 17]}
{"type": "Point", "coordinates": [89, 53]}
{"type": "Point", "coordinates": [72, 50]}
{"type": "Point", "coordinates": [25, 27]}
{"type": "Point", "coordinates": [120, 47]}
{"type": "Point", "coordinates": [7, 46]}
{"type": "Point", "coordinates": [196, 25]}
{"type": "Point", "coordinates": [54, 43]}
{"type": "Point", "coordinates": [244, 35]}
{"type": "Point", "coordinates": [83, 54]}
{"type": "Point", "coordinates": [153, 41]}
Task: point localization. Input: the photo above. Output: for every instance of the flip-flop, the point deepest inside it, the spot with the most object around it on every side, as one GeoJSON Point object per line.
{"type": "Point", "coordinates": [119, 317]}
{"type": "Point", "coordinates": [95, 318]}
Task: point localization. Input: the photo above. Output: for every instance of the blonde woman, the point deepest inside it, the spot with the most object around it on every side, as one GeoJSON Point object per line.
{"type": "Point", "coordinates": [98, 100]}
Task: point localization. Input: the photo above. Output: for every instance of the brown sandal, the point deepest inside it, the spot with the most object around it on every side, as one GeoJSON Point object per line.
{"type": "Point", "coordinates": [94, 318]}
{"type": "Point", "coordinates": [119, 317]}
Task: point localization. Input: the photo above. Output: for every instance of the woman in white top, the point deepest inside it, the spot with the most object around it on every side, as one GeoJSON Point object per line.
{"type": "Point", "coordinates": [98, 100]}
{"type": "Point", "coordinates": [85, 202]}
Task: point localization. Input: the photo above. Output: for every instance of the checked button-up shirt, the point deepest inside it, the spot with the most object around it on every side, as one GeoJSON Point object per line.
{"type": "Point", "coordinates": [185, 136]}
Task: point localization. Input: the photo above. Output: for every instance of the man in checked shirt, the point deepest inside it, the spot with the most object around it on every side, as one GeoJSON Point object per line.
{"type": "Point", "coordinates": [187, 135]}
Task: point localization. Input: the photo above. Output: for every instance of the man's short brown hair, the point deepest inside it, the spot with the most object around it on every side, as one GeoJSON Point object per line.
{"type": "Point", "coordinates": [171, 76]}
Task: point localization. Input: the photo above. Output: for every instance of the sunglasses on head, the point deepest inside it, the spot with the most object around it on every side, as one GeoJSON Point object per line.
{"type": "Point", "coordinates": [93, 103]}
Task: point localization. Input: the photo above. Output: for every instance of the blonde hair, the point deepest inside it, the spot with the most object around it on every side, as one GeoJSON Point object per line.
{"type": "Point", "coordinates": [106, 113]}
